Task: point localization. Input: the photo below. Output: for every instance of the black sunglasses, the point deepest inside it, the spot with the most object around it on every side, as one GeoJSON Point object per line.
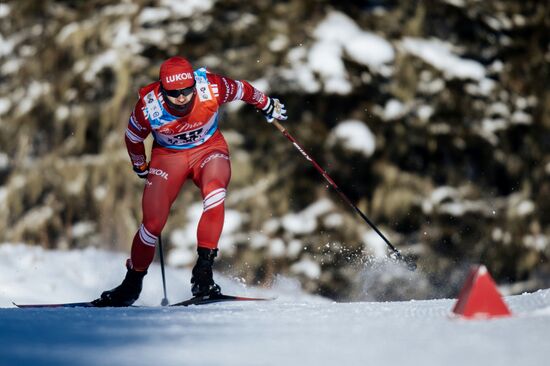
{"type": "Point", "coordinates": [177, 92]}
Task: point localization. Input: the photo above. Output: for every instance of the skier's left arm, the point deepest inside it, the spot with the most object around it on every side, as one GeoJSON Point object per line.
{"type": "Point", "coordinates": [229, 90]}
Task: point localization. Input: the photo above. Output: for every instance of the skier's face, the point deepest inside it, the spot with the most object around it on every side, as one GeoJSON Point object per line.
{"type": "Point", "coordinates": [181, 99]}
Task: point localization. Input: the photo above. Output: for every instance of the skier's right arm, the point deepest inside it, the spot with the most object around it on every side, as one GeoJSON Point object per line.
{"type": "Point", "coordinates": [138, 129]}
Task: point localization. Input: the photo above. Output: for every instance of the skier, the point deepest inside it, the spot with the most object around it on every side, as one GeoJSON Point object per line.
{"type": "Point", "coordinates": [181, 111]}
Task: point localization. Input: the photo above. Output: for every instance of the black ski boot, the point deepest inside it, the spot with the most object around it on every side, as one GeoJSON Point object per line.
{"type": "Point", "coordinates": [202, 279]}
{"type": "Point", "coordinates": [126, 293]}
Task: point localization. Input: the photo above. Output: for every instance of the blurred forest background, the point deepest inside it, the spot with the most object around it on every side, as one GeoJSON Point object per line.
{"type": "Point", "coordinates": [449, 97]}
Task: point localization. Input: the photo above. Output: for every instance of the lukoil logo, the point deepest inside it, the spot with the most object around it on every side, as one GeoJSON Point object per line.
{"type": "Point", "coordinates": [159, 172]}
{"type": "Point", "coordinates": [178, 77]}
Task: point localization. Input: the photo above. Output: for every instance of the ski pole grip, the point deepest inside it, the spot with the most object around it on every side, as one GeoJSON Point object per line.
{"type": "Point", "coordinates": [279, 126]}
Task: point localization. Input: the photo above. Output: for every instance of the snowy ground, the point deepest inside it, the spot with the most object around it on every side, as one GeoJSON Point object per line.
{"type": "Point", "coordinates": [295, 329]}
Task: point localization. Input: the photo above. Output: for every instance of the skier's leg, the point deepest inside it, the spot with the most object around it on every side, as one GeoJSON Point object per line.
{"type": "Point", "coordinates": [167, 173]}
{"type": "Point", "coordinates": [212, 179]}
{"type": "Point", "coordinates": [166, 176]}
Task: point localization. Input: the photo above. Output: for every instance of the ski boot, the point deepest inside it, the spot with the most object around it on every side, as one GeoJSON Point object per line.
{"type": "Point", "coordinates": [126, 293]}
{"type": "Point", "coordinates": [202, 278]}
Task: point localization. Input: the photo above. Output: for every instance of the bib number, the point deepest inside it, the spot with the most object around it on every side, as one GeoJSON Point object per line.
{"type": "Point", "coordinates": [188, 137]}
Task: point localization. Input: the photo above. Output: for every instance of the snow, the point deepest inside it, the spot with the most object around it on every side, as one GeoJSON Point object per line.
{"type": "Point", "coordinates": [305, 222]}
{"type": "Point", "coordinates": [37, 217]}
{"type": "Point", "coordinates": [375, 244]}
{"type": "Point", "coordinates": [301, 72]}
{"type": "Point", "coordinates": [520, 117]}
{"type": "Point", "coordinates": [355, 135]}
{"type": "Point", "coordinates": [184, 240]}
{"type": "Point", "coordinates": [318, 208]}
{"type": "Point", "coordinates": [538, 242]}
{"type": "Point", "coordinates": [499, 108]}
{"type": "Point", "coordinates": [432, 86]}
{"type": "Point", "coordinates": [123, 38]}
{"type": "Point", "coordinates": [100, 192]}
{"type": "Point", "coordinates": [483, 88]}
{"type": "Point", "coordinates": [369, 49]}
{"type": "Point", "coordinates": [442, 193]}
{"type": "Point", "coordinates": [244, 22]}
{"type": "Point", "coordinates": [325, 58]}
{"type": "Point", "coordinates": [11, 66]}
{"type": "Point", "coordinates": [500, 22]}
{"type": "Point", "coordinates": [119, 10]}
{"type": "Point", "coordinates": [499, 117]}
{"type": "Point", "coordinates": [188, 8]}
{"type": "Point", "coordinates": [5, 10]}
{"type": "Point", "coordinates": [7, 45]}
{"type": "Point", "coordinates": [99, 62]}
{"type": "Point", "coordinates": [258, 240]}
{"type": "Point", "coordinates": [151, 15]}
{"type": "Point", "coordinates": [295, 247]}
{"type": "Point", "coordinates": [439, 54]}
{"type": "Point", "coordinates": [279, 43]}
{"type": "Point", "coordinates": [393, 109]}
{"type": "Point", "coordinates": [457, 3]}
{"type": "Point", "coordinates": [307, 267]}
{"type": "Point", "coordinates": [277, 248]}
{"type": "Point", "coordinates": [425, 112]}
{"type": "Point", "coordinates": [334, 220]}
{"type": "Point", "coordinates": [299, 224]}
{"type": "Point", "coordinates": [62, 112]}
{"type": "Point", "coordinates": [76, 185]}
{"type": "Point", "coordinates": [525, 208]}
{"type": "Point", "coordinates": [336, 36]}
{"type": "Point", "coordinates": [294, 329]}
{"type": "Point", "coordinates": [448, 200]}
{"type": "Point", "coordinates": [363, 47]}
{"type": "Point", "coordinates": [83, 228]}
{"type": "Point", "coordinates": [66, 32]}
{"type": "Point", "coordinates": [33, 93]}
{"type": "Point", "coordinates": [5, 105]}
{"type": "Point", "coordinates": [32, 274]}
{"type": "Point", "coordinates": [499, 235]}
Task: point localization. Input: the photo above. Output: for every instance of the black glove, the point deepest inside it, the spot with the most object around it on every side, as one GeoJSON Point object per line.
{"type": "Point", "coordinates": [142, 171]}
{"type": "Point", "coordinates": [274, 109]}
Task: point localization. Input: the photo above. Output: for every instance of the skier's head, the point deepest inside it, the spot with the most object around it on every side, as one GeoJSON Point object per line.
{"type": "Point", "coordinates": [177, 83]}
{"type": "Point", "coordinates": [176, 73]}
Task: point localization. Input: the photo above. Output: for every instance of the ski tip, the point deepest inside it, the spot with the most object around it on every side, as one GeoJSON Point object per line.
{"type": "Point", "coordinates": [242, 298]}
{"type": "Point", "coordinates": [62, 305]}
{"type": "Point", "coordinates": [21, 306]}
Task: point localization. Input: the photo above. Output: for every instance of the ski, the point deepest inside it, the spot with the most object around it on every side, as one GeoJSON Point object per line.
{"type": "Point", "coordinates": [87, 304]}
{"type": "Point", "coordinates": [197, 300]}
{"type": "Point", "coordinates": [210, 299]}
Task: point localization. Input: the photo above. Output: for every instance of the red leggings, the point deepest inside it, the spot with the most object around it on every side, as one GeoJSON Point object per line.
{"type": "Point", "coordinates": [209, 167]}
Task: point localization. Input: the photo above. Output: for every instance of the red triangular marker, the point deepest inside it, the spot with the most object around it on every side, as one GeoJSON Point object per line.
{"type": "Point", "coordinates": [479, 298]}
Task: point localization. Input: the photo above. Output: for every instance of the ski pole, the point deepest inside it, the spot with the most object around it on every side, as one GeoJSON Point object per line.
{"type": "Point", "coordinates": [164, 301]}
{"type": "Point", "coordinates": [410, 264]}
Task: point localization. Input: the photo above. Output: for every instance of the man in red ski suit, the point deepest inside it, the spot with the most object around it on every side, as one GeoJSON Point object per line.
{"type": "Point", "coordinates": [181, 110]}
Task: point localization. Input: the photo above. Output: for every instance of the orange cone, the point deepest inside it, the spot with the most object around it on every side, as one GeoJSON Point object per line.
{"type": "Point", "coordinates": [479, 298]}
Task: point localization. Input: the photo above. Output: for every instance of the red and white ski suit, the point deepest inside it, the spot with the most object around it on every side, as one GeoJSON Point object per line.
{"type": "Point", "coordinates": [185, 147]}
